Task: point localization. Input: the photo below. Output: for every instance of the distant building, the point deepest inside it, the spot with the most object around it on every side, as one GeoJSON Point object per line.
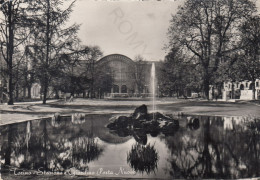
{"type": "Point", "coordinates": [122, 69]}
{"type": "Point", "coordinates": [241, 90]}
{"type": "Point", "coordinates": [129, 78]}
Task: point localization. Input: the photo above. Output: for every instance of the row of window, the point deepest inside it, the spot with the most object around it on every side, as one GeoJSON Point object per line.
{"type": "Point", "coordinates": [116, 89]}
{"type": "Point", "coordinates": [242, 85]}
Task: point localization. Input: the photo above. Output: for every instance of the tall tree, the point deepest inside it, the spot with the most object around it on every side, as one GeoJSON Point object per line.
{"type": "Point", "coordinates": [179, 74]}
{"type": "Point", "coordinates": [72, 79]}
{"type": "Point", "coordinates": [54, 39]}
{"type": "Point", "coordinates": [250, 60]}
{"type": "Point", "coordinates": [14, 26]}
{"type": "Point", "coordinates": [209, 30]}
{"type": "Point", "coordinates": [228, 71]}
{"type": "Point", "coordinates": [80, 72]}
{"type": "Point", "coordinates": [103, 81]}
{"type": "Point", "coordinates": [139, 73]}
{"type": "Point", "coordinates": [93, 56]}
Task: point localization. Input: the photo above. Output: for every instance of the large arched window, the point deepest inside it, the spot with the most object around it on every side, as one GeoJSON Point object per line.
{"type": "Point", "coordinates": [123, 89]}
{"type": "Point", "coordinates": [251, 86]}
{"type": "Point", "coordinates": [242, 87]}
{"type": "Point", "coordinates": [36, 90]}
{"type": "Point", "coordinates": [115, 88]}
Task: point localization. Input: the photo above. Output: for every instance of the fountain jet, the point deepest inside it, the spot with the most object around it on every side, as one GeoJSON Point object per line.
{"type": "Point", "coordinates": [153, 85]}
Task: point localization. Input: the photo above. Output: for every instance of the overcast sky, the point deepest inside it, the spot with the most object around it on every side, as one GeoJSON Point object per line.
{"type": "Point", "coordinates": [128, 28]}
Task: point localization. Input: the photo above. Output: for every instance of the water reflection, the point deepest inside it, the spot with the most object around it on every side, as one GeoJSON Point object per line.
{"type": "Point", "coordinates": [209, 147]}
{"type": "Point", "coordinates": [143, 158]}
{"type": "Point", "coordinates": [140, 137]}
{"type": "Point", "coordinates": [33, 145]}
{"type": "Point", "coordinates": [78, 118]}
{"type": "Point", "coordinates": [193, 123]}
{"type": "Point", "coordinates": [215, 152]}
{"type": "Point", "coordinates": [84, 150]}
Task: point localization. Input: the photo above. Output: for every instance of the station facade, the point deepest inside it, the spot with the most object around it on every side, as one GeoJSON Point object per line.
{"type": "Point", "coordinates": [129, 78]}
{"type": "Point", "coordinates": [121, 69]}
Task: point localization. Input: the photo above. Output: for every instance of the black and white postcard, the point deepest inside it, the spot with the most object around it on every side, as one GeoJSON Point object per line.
{"type": "Point", "coordinates": [129, 89]}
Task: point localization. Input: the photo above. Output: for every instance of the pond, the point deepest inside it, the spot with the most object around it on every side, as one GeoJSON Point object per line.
{"type": "Point", "coordinates": [219, 147]}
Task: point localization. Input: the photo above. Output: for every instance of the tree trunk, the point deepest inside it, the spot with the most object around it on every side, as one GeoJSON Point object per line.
{"type": "Point", "coordinates": [92, 89]}
{"type": "Point", "coordinates": [139, 90]}
{"type": "Point", "coordinates": [91, 93]}
{"type": "Point", "coordinates": [206, 87]}
{"type": "Point", "coordinates": [29, 91]}
{"type": "Point", "coordinates": [47, 54]}
{"type": "Point", "coordinates": [88, 94]}
{"type": "Point", "coordinates": [57, 94]}
{"type": "Point", "coordinates": [170, 93]}
{"type": "Point", "coordinates": [220, 87]}
{"type": "Point", "coordinates": [253, 89]}
{"type": "Point", "coordinates": [100, 93]}
{"type": "Point", "coordinates": [232, 90]}
{"type": "Point", "coordinates": [10, 87]}
{"type": "Point", "coordinates": [17, 92]}
{"type": "Point", "coordinates": [8, 152]}
{"type": "Point", "coordinates": [10, 49]}
{"type": "Point", "coordinates": [92, 80]}
{"type": "Point", "coordinates": [45, 91]}
{"type": "Point", "coordinates": [45, 148]}
{"type": "Point", "coordinates": [206, 152]}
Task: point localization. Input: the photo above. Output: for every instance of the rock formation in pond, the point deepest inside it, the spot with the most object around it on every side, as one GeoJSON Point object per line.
{"type": "Point", "coordinates": [141, 123]}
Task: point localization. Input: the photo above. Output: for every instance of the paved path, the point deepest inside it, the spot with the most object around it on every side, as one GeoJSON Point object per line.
{"type": "Point", "coordinates": [34, 110]}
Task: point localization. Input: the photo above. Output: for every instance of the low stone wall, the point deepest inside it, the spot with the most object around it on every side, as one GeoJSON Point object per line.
{"type": "Point", "coordinates": [246, 95]}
